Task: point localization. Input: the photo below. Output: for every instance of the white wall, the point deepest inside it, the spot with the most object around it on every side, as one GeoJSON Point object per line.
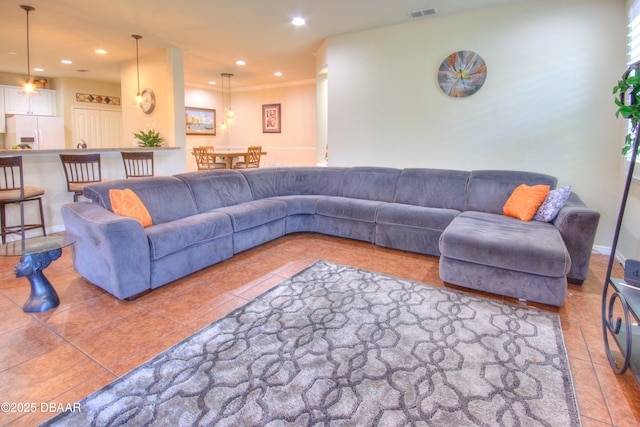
{"type": "Point", "coordinates": [546, 106]}
{"type": "Point", "coordinates": [66, 90]}
{"type": "Point", "coordinates": [162, 72]}
{"type": "Point", "coordinates": [294, 146]}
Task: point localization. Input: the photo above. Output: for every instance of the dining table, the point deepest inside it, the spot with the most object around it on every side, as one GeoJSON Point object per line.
{"type": "Point", "coordinates": [229, 155]}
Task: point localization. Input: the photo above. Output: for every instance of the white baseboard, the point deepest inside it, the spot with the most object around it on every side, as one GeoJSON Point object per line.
{"type": "Point", "coordinates": [36, 233]}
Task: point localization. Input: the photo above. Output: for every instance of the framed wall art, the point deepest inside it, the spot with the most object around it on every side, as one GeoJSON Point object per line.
{"type": "Point", "coordinates": [200, 121]}
{"type": "Point", "coordinates": [271, 119]}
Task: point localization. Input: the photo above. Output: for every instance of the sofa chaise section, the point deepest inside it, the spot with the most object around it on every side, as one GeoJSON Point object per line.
{"type": "Point", "coordinates": [506, 256]}
{"type": "Point", "coordinates": [485, 250]}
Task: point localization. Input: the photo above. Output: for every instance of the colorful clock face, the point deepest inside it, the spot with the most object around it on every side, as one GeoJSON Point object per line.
{"type": "Point", "coordinates": [462, 74]}
{"type": "Point", "coordinates": [148, 101]}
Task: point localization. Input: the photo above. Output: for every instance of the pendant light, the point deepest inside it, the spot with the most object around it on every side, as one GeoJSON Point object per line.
{"type": "Point", "coordinates": [29, 87]}
{"type": "Point", "coordinates": [230, 110]}
{"type": "Point", "coordinates": [223, 123]}
{"type": "Point", "coordinates": [228, 121]}
{"type": "Point", "coordinates": [138, 94]}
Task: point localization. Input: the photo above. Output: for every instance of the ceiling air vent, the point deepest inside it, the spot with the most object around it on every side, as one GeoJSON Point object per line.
{"type": "Point", "coordinates": [420, 13]}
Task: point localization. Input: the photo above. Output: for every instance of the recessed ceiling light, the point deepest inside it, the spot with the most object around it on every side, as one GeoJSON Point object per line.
{"type": "Point", "coordinates": [212, 82]}
{"type": "Point", "coordinates": [101, 51]}
{"type": "Point", "coordinates": [38, 69]}
{"type": "Point", "coordinates": [66, 61]}
{"type": "Point", "coordinates": [298, 22]}
{"type": "Point", "coordinates": [240, 62]}
{"type": "Point", "coordinates": [277, 73]}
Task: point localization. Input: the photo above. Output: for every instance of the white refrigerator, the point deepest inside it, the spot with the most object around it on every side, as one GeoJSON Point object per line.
{"type": "Point", "coordinates": [38, 132]}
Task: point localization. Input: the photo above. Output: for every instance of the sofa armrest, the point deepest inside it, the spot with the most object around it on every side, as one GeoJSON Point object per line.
{"type": "Point", "coordinates": [110, 251]}
{"type": "Point", "coordinates": [577, 225]}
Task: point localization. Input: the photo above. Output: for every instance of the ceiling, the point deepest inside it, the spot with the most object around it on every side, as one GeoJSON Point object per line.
{"type": "Point", "coordinates": [213, 34]}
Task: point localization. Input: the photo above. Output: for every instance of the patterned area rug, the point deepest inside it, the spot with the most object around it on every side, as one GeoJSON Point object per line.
{"type": "Point", "coordinates": [335, 345]}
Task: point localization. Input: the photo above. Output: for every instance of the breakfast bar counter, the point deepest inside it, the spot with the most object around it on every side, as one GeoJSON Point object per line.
{"type": "Point", "coordinates": [30, 152]}
{"type": "Point", "coordinates": [43, 168]}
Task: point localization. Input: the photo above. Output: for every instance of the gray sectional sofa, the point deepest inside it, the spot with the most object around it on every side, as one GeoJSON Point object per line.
{"type": "Point", "coordinates": [201, 218]}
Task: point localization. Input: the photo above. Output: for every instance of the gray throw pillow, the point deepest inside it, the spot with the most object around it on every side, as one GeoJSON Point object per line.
{"type": "Point", "coordinates": [552, 204]}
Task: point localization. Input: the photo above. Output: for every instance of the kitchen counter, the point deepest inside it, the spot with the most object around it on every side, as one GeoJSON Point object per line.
{"type": "Point", "coordinates": [42, 168]}
{"type": "Point", "coordinates": [20, 152]}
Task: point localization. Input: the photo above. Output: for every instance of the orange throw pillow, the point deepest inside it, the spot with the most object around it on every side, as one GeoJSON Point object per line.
{"type": "Point", "coordinates": [525, 201]}
{"type": "Point", "coordinates": [127, 203]}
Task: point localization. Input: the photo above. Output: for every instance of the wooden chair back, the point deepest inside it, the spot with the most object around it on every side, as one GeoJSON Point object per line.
{"type": "Point", "coordinates": [252, 158]}
{"type": "Point", "coordinates": [11, 178]}
{"type": "Point", "coordinates": [137, 163]}
{"type": "Point", "coordinates": [205, 160]}
{"type": "Point", "coordinates": [13, 191]}
{"type": "Point", "coordinates": [80, 171]}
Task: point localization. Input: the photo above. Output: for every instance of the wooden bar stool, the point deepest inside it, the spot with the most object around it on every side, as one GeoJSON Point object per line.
{"type": "Point", "coordinates": [13, 191]}
{"type": "Point", "coordinates": [80, 171]}
{"type": "Point", "coordinates": [137, 164]}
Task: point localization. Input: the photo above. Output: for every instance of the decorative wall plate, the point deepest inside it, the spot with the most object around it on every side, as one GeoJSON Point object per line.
{"type": "Point", "coordinates": [148, 101]}
{"type": "Point", "coordinates": [462, 74]}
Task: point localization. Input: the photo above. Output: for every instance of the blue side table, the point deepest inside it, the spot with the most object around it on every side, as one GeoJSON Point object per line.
{"type": "Point", "coordinates": [36, 254]}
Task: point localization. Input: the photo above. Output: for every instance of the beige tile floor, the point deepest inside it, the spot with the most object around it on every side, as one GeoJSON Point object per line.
{"type": "Point", "coordinates": [92, 338]}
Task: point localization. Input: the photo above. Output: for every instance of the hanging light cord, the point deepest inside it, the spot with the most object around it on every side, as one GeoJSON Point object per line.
{"type": "Point", "coordinates": [28, 51]}
{"type": "Point", "coordinates": [137, 37]}
{"type": "Point", "coordinates": [28, 9]}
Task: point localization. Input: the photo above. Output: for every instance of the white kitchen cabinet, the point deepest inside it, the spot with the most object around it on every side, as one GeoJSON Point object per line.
{"type": "Point", "coordinates": [16, 102]}
{"type": "Point", "coordinates": [98, 128]}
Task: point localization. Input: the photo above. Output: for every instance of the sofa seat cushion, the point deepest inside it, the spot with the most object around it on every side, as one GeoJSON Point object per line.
{"type": "Point", "coordinates": [415, 216]}
{"type": "Point", "coordinates": [174, 236]}
{"type": "Point", "coordinates": [507, 243]}
{"type": "Point", "coordinates": [348, 208]}
{"type": "Point", "coordinates": [297, 205]}
{"type": "Point", "coordinates": [255, 213]}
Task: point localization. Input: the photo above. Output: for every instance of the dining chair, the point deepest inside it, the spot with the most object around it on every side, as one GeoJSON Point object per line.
{"type": "Point", "coordinates": [205, 160]}
{"type": "Point", "coordinates": [13, 191]}
{"type": "Point", "coordinates": [251, 159]}
{"type": "Point", "coordinates": [137, 164]}
{"type": "Point", "coordinates": [80, 171]}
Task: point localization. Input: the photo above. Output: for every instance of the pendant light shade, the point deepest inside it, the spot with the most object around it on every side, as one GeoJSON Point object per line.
{"type": "Point", "coordinates": [29, 87]}
{"type": "Point", "coordinates": [138, 94]}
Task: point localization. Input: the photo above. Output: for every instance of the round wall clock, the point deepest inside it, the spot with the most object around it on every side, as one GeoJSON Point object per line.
{"type": "Point", "coordinates": [148, 101]}
{"type": "Point", "coordinates": [462, 74]}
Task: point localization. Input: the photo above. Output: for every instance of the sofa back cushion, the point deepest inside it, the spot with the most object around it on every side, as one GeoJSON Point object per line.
{"type": "Point", "coordinates": [489, 190]}
{"type": "Point", "coordinates": [369, 183]}
{"type": "Point", "coordinates": [166, 198]}
{"type": "Point", "coordinates": [273, 182]}
{"type": "Point", "coordinates": [433, 188]}
{"type": "Point", "coordinates": [215, 189]}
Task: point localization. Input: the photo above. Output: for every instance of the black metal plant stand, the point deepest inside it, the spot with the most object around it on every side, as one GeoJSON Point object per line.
{"type": "Point", "coordinates": [623, 328]}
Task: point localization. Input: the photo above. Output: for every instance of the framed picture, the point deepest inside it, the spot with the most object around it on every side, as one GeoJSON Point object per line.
{"type": "Point", "coordinates": [271, 120]}
{"type": "Point", "coordinates": [200, 121]}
